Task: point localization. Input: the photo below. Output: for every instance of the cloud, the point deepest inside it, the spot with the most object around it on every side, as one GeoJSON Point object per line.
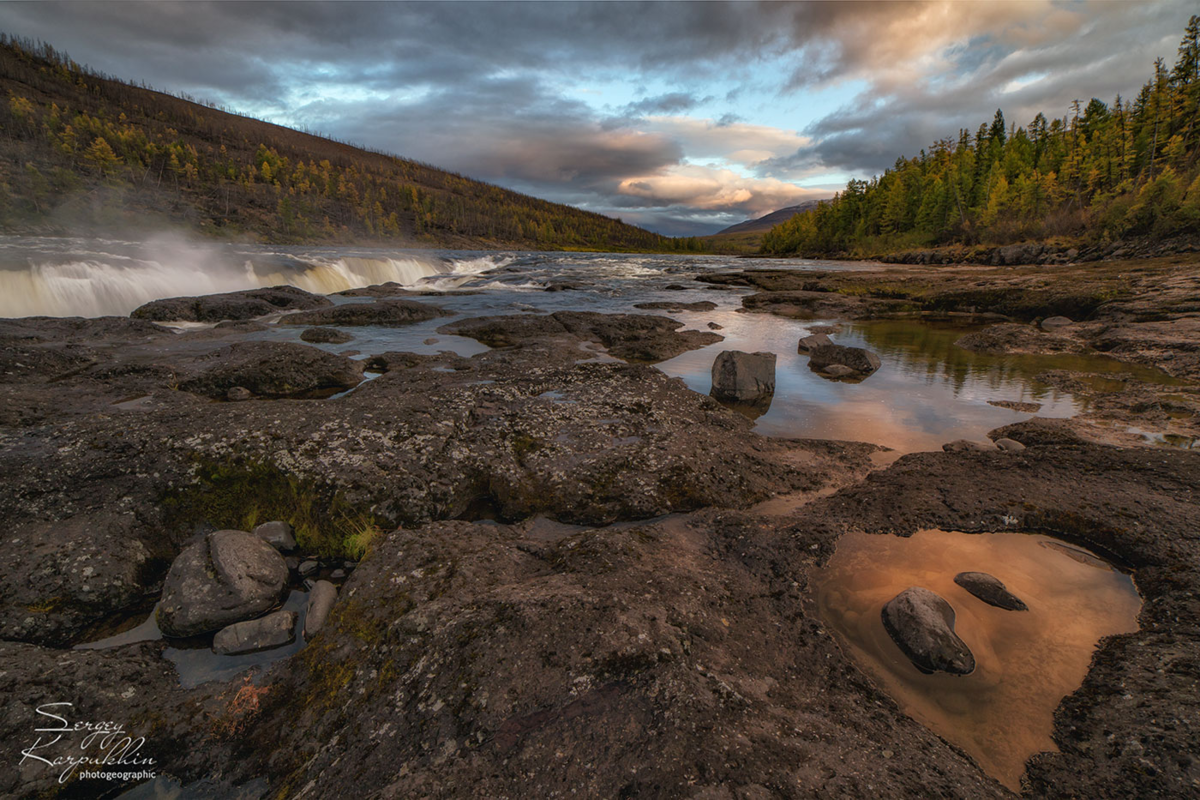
{"type": "Point", "coordinates": [684, 114]}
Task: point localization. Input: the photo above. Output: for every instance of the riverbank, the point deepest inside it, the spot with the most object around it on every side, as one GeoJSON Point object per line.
{"type": "Point", "coordinates": [563, 569]}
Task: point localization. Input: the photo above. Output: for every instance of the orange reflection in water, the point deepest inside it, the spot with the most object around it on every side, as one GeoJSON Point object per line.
{"type": "Point", "coordinates": [1027, 661]}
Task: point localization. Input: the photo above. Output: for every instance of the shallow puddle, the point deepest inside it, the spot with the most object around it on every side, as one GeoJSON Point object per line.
{"type": "Point", "coordinates": [1027, 661]}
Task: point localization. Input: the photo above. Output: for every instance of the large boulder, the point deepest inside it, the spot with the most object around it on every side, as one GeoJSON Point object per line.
{"type": "Point", "coordinates": [387, 313]}
{"type": "Point", "coordinates": [273, 630]}
{"type": "Point", "coordinates": [229, 306]}
{"type": "Point", "coordinates": [272, 369]}
{"type": "Point", "coordinates": [222, 578]}
{"type": "Point", "coordinates": [990, 590]}
{"type": "Point", "coordinates": [862, 362]}
{"type": "Point", "coordinates": [743, 377]}
{"type": "Point", "coordinates": [921, 623]}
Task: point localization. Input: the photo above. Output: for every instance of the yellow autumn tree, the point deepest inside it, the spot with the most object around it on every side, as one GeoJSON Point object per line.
{"type": "Point", "coordinates": [101, 157]}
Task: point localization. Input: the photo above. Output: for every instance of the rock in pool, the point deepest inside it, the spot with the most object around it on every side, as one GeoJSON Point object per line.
{"type": "Point", "coordinates": [862, 362]}
{"type": "Point", "coordinates": [743, 377]}
{"type": "Point", "coordinates": [813, 340]}
{"type": "Point", "coordinates": [325, 336]}
{"type": "Point", "coordinates": [921, 623]}
{"type": "Point", "coordinates": [273, 630]}
{"type": "Point", "coordinates": [225, 577]}
{"type": "Point", "coordinates": [990, 590]}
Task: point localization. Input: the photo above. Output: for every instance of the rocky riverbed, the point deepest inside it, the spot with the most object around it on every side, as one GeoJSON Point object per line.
{"type": "Point", "coordinates": [561, 571]}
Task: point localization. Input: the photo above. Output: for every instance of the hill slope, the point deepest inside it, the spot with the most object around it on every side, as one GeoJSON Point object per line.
{"type": "Point", "coordinates": [83, 151]}
{"type": "Point", "coordinates": [1101, 173]}
{"type": "Point", "coordinates": [768, 221]}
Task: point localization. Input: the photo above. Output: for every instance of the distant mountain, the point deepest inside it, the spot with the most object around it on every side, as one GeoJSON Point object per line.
{"type": "Point", "coordinates": [82, 152]}
{"type": "Point", "coordinates": [764, 224]}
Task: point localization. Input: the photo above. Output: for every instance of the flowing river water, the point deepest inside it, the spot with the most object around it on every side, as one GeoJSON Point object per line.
{"type": "Point", "coordinates": [927, 392]}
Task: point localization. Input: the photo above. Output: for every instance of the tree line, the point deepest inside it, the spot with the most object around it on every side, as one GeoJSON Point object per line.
{"type": "Point", "coordinates": [1102, 172]}
{"type": "Point", "coordinates": [69, 133]}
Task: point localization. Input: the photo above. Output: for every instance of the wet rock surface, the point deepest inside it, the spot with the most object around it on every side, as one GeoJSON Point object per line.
{"type": "Point", "coordinates": [271, 369]}
{"type": "Point", "coordinates": [386, 313]}
{"type": "Point", "coordinates": [325, 336]}
{"type": "Point", "coordinates": [231, 306]}
{"type": "Point", "coordinates": [632, 337]}
{"type": "Point", "coordinates": [921, 623]}
{"type": "Point", "coordinates": [222, 578]}
{"type": "Point", "coordinates": [990, 590]}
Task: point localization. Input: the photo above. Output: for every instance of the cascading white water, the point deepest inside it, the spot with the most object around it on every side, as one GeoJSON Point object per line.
{"type": "Point", "coordinates": [101, 285]}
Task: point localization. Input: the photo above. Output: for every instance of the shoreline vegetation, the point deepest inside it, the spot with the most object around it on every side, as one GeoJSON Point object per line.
{"type": "Point", "coordinates": [1101, 176]}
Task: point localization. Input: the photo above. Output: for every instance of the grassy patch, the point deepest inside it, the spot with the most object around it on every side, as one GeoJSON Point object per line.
{"type": "Point", "coordinates": [241, 494]}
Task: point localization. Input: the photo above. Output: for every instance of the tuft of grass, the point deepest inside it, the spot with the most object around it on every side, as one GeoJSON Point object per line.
{"type": "Point", "coordinates": [240, 494]}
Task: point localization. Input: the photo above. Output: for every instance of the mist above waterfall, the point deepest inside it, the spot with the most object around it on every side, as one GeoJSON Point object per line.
{"type": "Point", "coordinates": [89, 278]}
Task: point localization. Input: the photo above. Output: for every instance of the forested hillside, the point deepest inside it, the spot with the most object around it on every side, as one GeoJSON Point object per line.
{"type": "Point", "coordinates": [1102, 172]}
{"type": "Point", "coordinates": [80, 150]}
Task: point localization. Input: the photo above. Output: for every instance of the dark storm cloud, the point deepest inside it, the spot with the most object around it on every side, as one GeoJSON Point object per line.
{"type": "Point", "coordinates": [487, 89]}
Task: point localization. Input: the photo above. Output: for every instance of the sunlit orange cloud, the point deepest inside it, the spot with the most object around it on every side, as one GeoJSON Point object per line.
{"type": "Point", "coordinates": [711, 188]}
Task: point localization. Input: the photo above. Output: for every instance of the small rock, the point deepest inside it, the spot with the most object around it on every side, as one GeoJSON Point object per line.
{"type": "Point", "coordinates": [349, 565]}
{"type": "Point", "coordinates": [712, 326]}
{"type": "Point", "coordinates": [813, 340]}
{"type": "Point", "coordinates": [921, 623]}
{"type": "Point", "coordinates": [325, 336]}
{"type": "Point", "coordinates": [990, 590]}
{"type": "Point", "coordinates": [320, 600]}
{"type": "Point", "coordinates": [237, 394]}
{"type": "Point", "coordinates": [1011, 445]}
{"type": "Point", "coordinates": [278, 534]}
{"type": "Point", "coordinates": [308, 568]}
{"type": "Point", "coordinates": [430, 340]}
{"type": "Point", "coordinates": [337, 574]}
{"type": "Point", "coordinates": [1055, 323]}
{"type": "Point", "coordinates": [743, 377]}
{"type": "Point", "coordinates": [273, 630]}
{"type": "Point", "coordinates": [292, 563]}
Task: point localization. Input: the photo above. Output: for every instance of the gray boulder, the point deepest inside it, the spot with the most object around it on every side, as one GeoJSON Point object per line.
{"type": "Point", "coordinates": [1055, 323]}
{"type": "Point", "coordinates": [278, 534]}
{"type": "Point", "coordinates": [320, 602]}
{"type": "Point", "coordinates": [990, 590]}
{"type": "Point", "coordinates": [921, 623]}
{"type": "Point", "coordinates": [225, 577]}
{"type": "Point", "coordinates": [862, 362]}
{"type": "Point", "coordinates": [813, 340]}
{"type": "Point", "coordinates": [743, 377]}
{"type": "Point", "coordinates": [273, 630]}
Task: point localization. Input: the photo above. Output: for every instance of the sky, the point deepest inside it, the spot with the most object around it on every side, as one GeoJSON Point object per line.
{"type": "Point", "coordinates": [680, 117]}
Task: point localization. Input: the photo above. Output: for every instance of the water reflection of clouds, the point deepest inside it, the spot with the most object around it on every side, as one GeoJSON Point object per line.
{"type": "Point", "coordinates": [928, 391]}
